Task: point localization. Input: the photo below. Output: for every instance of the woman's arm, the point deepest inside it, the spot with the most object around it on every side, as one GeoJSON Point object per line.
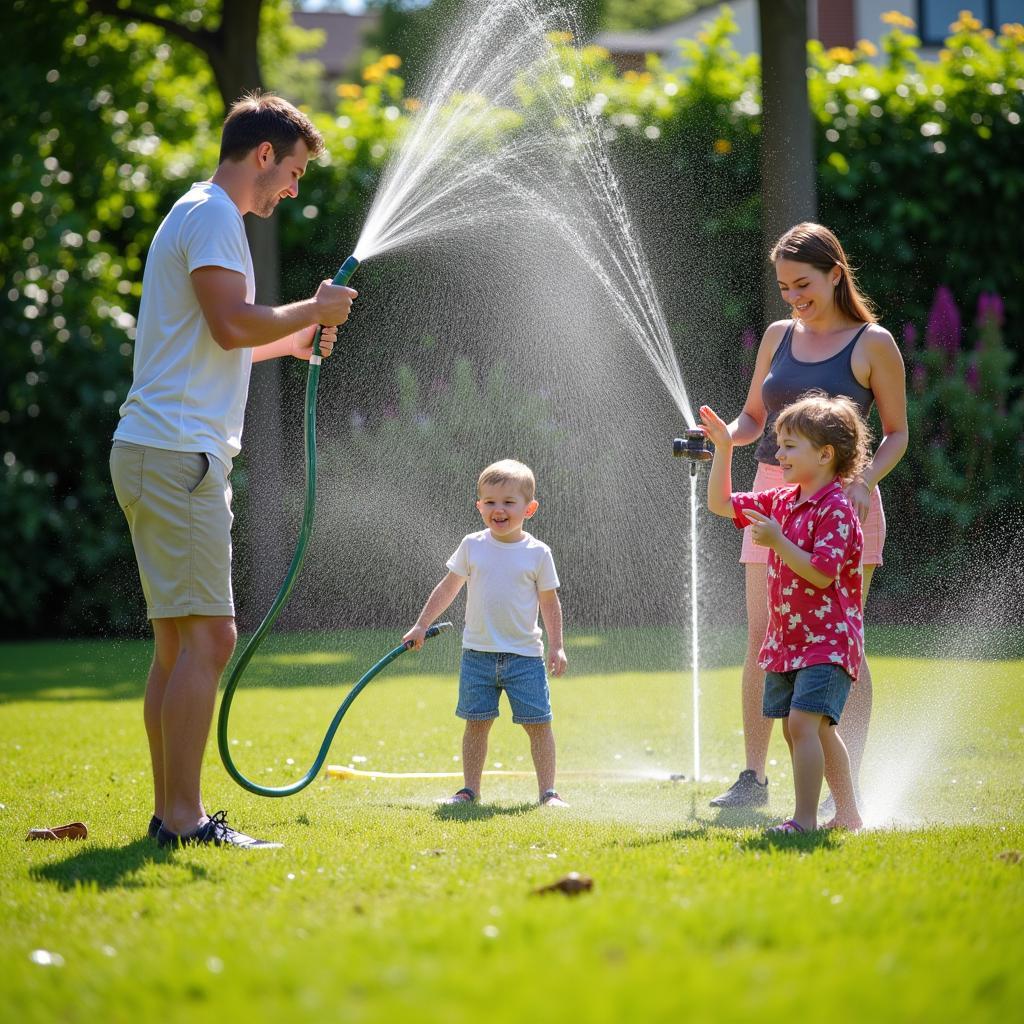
{"type": "Point", "coordinates": [749, 425]}
{"type": "Point", "coordinates": [888, 383]}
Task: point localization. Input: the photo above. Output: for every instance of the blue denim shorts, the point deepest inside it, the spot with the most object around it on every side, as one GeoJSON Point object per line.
{"type": "Point", "coordinates": [817, 689]}
{"type": "Point", "coordinates": [484, 674]}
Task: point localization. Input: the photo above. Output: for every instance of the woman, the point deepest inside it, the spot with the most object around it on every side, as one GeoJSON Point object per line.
{"type": "Point", "coordinates": [834, 343]}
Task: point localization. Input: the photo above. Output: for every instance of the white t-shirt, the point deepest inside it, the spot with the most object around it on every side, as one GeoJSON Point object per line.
{"type": "Point", "coordinates": [187, 393]}
{"type": "Point", "coordinates": [501, 594]}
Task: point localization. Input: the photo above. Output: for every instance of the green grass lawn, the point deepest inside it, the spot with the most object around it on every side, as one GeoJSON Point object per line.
{"type": "Point", "coordinates": [384, 906]}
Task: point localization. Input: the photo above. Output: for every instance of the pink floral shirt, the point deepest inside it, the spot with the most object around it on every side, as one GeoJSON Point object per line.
{"type": "Point", "coordinates": [809, 625]}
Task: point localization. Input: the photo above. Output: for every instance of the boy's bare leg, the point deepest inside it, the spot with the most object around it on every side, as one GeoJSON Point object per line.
{"type": "Point", "coordinates": [757, 730]}
{"type": "Point", "coordinates": [839, 777]}
{"type": "Point", "coordinates": [808, 766]}
{"type": "Point", "coordinates": [165, 654]}
{"type": "Point", "coordinates": [206, 643]}
{"type": "Point", "coordinates": [542, 749]}
{"type": "Point", "coordinates": [474, 752]}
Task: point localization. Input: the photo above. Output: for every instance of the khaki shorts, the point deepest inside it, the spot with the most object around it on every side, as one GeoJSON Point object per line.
{"type": "Point", "coordinates": [178, 507]}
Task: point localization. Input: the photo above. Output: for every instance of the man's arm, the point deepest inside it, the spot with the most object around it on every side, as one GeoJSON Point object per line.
{"type": "Point", "coordinates": [551, 613]}
{"type": "Point", "coordinates": [299, 345]}
{"type": "Point", "coordinates": [236, 323]}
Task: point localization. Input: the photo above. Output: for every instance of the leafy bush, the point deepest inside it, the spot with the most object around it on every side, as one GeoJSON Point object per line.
{"type": "Point", "coordinates": [959, 483]}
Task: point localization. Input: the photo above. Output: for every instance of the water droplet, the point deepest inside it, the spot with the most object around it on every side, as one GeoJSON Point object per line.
{"type": "Point", "coordinates": [45, 958]}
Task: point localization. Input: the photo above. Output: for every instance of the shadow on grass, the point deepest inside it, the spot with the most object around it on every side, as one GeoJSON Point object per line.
{"type": "Point", "coordinates": [108, 867]}
{"type": "Point", "coordinates": [806, 842]}
{"type": "Point", "coordinates": [481, 812]}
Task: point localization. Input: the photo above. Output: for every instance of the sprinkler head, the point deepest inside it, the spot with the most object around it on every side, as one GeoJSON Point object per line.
{"type": "Point", "coordinates": [693, 445]}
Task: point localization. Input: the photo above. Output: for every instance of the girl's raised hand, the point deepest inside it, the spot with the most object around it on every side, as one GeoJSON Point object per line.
{"type": "Point", "coordinates": [714, 426]}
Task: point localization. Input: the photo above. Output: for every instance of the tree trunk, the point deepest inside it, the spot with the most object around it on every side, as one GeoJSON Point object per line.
{"type": "Point", "coordinates": [788, 193]}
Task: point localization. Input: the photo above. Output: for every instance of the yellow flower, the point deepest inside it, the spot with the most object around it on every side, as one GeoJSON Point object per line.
{"type": "Point", "coordinates": [723, 147]}
{"type": "Point", "coordinates": [1014, 31]}
{"type": "Point", "coordinates": [867, 47]}
{"type": "Point", "coordinates": [411, 103]}
{"type": "Point", "coordinates": [560, 37]}
{"type": "Point", "coordinates": [898, 19]}
{"type": "Point", "coordinates": [350, 90]}
{"type": "Point", "coordinates": [391, 61]}
{"type": "Point", "coordinates": [945, 55]}
{"type": "Point", "coordinates": [841, 55]}
{"type": "Point", "coordinates": [966, 23]}
{"type": "Point", "coordinates": [373, 72]}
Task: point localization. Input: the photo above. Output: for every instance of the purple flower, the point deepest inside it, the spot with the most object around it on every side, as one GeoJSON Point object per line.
{"type": "Point", "coordinates": [909, 336]}
{"type": "Point", "coordinates": [990, 310]}
{"type": "Point", "coordinates": [943, 332]}
{"type": "Point", "coordinates": [749, 339]}
{"type": "Point", "coordinates": [919, 379]}
{"type": "Point", "coordinates": [972, 377]}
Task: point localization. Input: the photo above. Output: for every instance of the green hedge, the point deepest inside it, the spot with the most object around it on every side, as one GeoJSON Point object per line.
{"type": "Point", "coordinates": [919, 172]}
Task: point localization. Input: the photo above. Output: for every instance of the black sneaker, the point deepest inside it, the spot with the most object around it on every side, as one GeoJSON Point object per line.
{"type": "Point", "coordinates": [155, 824]}
{"type": "Point", "coordinates": [214, 831]}
{"type": "Point", "coordinates": [746, 791]}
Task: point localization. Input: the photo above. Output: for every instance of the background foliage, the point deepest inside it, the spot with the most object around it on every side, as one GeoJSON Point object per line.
{"type": "Point", "coordinates": [108, 123]}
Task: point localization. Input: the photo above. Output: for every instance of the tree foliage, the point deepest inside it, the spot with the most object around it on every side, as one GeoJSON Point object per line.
{"type": "Point", "coordinates": [108, 120]}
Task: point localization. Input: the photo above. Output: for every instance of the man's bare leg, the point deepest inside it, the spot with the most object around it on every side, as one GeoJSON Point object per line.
{"type": "Point", "coordinates": [205, 647]}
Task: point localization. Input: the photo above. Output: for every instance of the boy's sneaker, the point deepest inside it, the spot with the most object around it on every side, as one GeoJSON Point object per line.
{"type": "Point", "coordinates": [746, 791]}
{"type": "Point", "coordinates": [214, 832]}
{"type": "Point", "coordinates": [551, 799]}
{"type": "Point", "coordinates": [463, 796]}
{"type": "Point", "coordinates": [155, 824]}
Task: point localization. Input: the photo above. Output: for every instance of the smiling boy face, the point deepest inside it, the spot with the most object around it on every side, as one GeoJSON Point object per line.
{"type": "Point", "coordinates": [504, 507]}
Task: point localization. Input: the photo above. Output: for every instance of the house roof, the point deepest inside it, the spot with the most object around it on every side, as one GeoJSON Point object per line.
{"type": "Point", "coordinates": [344, 37]}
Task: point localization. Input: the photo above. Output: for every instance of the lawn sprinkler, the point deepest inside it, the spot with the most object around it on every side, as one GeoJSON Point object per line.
{"type": "Point", "coordinates": [346, 271]}
{"type": "Point", "coordinates": [693, 445]}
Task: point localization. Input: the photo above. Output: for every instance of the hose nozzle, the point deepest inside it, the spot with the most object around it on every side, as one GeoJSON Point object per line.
{"type": "Point", "coordinates": [437, 627]}
{"type": "Point", "coordinates": [693, 445]}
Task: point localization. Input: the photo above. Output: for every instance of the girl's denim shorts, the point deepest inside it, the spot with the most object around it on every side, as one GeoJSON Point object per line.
{"type": "Point", "coordinates": [484, 674]}
{"type": "Point", "coordinates": [816, 689]}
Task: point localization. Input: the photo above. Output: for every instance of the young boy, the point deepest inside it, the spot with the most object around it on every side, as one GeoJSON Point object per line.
{"type": "Point", "coordinates": [815, 639]}
{"type": "Point", "coordinates": [509, 574]}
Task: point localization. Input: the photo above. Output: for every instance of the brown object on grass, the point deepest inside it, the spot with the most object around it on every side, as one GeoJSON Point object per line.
{"type": "Point", "coordinates": [75, 830]}
{"type": "Point", "coordinates": [572, 885]}
{"type": "Point", "coordinates": [1011, 856]}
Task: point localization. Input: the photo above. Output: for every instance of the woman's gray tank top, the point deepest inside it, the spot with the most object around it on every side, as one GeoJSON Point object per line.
{"type": "Point", "coordinates": [788, 378]}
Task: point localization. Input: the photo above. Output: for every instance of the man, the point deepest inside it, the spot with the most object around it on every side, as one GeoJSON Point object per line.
{"type": "Point", "coordinates": [198, 333]}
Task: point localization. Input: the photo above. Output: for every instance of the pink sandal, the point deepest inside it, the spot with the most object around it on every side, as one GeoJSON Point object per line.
{"type": "Point", "coordinates": [789, 827]}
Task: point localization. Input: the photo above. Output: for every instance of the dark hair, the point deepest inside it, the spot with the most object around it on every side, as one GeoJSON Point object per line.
{"type": "Point", "coordinates": [824, 420]}
{"type": "Point", "coordinates": [263, 117]}
{"type": "Point", "coordinates": [815, 245]}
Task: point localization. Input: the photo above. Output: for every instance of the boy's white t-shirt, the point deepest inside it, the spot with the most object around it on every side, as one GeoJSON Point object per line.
{"type": "Point", "coordinates": [501, 593]}
{"type": "Point", "coordinates": [188, 394]}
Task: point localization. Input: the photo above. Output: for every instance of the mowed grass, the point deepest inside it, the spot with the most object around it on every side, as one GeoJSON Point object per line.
{"type": "Point", "coordinates": [384, 906]}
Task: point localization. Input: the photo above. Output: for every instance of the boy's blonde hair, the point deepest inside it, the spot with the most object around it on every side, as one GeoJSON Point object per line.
{"type": "Point", "coordinates": [508, 471]}
{"type": "Point", "coordinates": [824, 420]}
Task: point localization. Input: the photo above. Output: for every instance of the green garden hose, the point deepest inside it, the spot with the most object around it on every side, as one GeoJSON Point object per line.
{"type": "Point", "coordinates": [342, 277]}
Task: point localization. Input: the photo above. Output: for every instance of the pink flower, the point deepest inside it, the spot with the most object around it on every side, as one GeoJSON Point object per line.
{"type": "Point", "coordinates": [943, 332]}
{"type": "Point", "coordinates": [919, 379]}
{"type": "Point", "coordinates": [749, 339]}
{"type": "Point", "coordinates": [990, 310]}
{"type": "Point", "coordinates": [909, 336]}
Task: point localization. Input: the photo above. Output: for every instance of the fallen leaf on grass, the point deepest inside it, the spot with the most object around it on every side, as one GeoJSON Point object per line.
{"type": "Point", "coordinates": [571, 884]}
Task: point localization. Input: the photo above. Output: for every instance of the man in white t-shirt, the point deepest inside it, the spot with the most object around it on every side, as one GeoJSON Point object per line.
{"type": "Point", "coordinates": [199, 331]}
{"type": "Point", "coordinates": [509, 576]}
